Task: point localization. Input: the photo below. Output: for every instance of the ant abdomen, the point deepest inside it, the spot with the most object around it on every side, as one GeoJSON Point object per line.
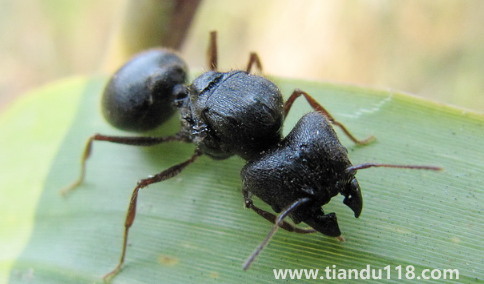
{"type": "Point", "coordinates": [139, 96]}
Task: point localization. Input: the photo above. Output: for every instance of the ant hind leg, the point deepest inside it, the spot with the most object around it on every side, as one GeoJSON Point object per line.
{"type": "Point", "coordinates": [319, 108]}
{"type": "Point", "coordinates": [254, 60]}
{"type": "Point", "coordinates": [212, 54]}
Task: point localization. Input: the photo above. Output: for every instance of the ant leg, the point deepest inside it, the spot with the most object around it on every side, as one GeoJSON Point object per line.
{"type": "Point", "coordinates": [135, 141]}
{"type": "Point", "coordinates": [212, 57]}
{"type": "Point", "coordinates": [317, 107]}
{"type": "Point", "coordinates": [272, 217]}
{"type": "Point", "coordinates": [254, 59]}
{"type": "Point", "coordinates": [277, 224]}
{"type": "Point", "coordinates": [131, 214]}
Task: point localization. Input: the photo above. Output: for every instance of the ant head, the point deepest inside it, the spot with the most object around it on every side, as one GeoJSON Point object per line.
{"type": "Point", "coordinates": [139, 96]}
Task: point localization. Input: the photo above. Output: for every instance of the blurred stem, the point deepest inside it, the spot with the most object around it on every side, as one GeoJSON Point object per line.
{"type": "Point", "coordinates": [151, 23]}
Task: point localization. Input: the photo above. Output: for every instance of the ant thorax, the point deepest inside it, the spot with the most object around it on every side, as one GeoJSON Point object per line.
{"type": "Point", "coordinates": [232, 113]}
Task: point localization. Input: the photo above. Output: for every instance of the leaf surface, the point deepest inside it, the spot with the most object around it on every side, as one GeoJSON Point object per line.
{"type": "Point", "coordinates": [194, 229]}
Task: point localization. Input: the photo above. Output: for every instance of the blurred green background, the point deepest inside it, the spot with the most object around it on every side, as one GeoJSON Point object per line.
{"type": "Point", "coordinates": [433, 49]}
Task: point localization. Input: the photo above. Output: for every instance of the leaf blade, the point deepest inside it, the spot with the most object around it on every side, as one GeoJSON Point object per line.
{"type": "Point", "coordinates": [196, 221]}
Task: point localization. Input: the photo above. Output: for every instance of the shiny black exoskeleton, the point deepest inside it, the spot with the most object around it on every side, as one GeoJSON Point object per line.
{"type": "Point", "coordinates": [232, 113]}
{"type": "Point", "coordinates": [222, 113]}
{"type": "Point", "coordinates": [236, 113]}
{"type": "Point", "coordinates": [139, 96]}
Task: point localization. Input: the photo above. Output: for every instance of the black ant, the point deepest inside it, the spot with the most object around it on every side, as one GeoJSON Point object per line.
{"type": "Point", "coordinates": [236, 113]}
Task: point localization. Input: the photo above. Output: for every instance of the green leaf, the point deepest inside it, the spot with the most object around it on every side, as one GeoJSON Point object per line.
{"type": "Point", "coordinates": [194, 229]}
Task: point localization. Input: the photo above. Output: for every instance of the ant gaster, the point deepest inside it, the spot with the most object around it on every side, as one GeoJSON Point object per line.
{"type": "Point", "coordinates": [236, 113]}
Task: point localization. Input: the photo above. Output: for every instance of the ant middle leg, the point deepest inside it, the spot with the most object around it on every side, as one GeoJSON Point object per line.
{"type": "Point", "coordinates": [254, 60]}
{"type": "Point", "coordinates": [134, 141]}
{"type": "Point", "coordinates": [272, 217]}
{"type": "Point", "coordinates": [319, 108]}
{"type": "Point", "coordinates": [131, 214]}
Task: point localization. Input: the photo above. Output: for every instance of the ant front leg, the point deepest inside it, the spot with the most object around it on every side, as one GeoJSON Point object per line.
{"type": "Point", "coordinates": [131, 214]}
{"type": "Point", "coordinates": [319, 108]}
{"type": "Point", "coordinates": [134, 141]}
{"type": "Point", "coordinates": [272, 217]}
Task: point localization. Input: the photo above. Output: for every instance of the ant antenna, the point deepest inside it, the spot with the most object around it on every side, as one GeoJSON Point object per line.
{"type": "Point", "coordinates": [373, 165]}
{"type": "Point", "coordinates": [278, 222]}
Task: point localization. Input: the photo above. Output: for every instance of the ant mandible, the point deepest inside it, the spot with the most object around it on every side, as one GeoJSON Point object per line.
{"type": "Point", "coordinates": [236, 113]}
